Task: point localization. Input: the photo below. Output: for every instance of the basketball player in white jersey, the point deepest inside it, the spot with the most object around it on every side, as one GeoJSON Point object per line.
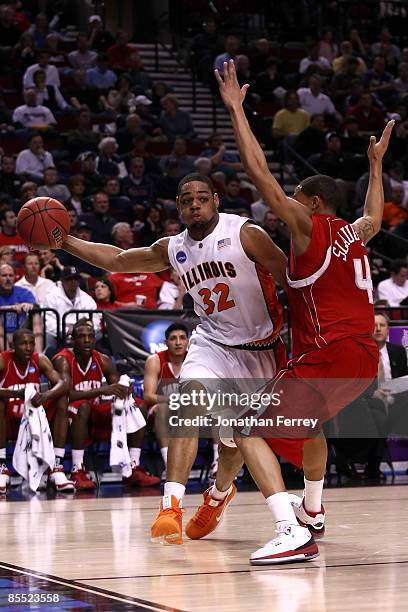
{"type": "Point", "coordinates": [228, 265]}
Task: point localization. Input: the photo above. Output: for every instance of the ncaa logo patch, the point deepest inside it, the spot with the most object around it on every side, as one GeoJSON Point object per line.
{"type": "Point", "coordinates": [93, 366]}
{"type": "Point", "coordinates": [31, 370]}
{"type": "Point", "coordinates": [181, 257]}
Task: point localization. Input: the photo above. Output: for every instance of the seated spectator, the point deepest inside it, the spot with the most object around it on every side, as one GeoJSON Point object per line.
{"type": "Point", "coordinates": [48, 95]}
{"type": "Point", "coordinates": [395, 211]}
{"type": "Point", "coordinates": [153, 225]}
{"type": "Point", "coordinates": [369, 118]}
{"type": "Point", "coordinates": [203, 165]}
{"type": "Point", "coordinates": [10, 183]}
{"type": "Point", "coordinates": [232, 45]}
{"type": "Point", "coordinates": [346, 52]}
{"type": "Point", "coordinates": [81, 95]}
{"type": "Point", "coordinates": [9, 236]}
{"type": "Point", "coordinates": [150, 123]}
{"type": "Point", "coordinates": [312, 140]}
{"type": "Point", "coordinates": [125, 136]}
{"type": "Point", "coordinates": [122, 99]}
{"type": "Point", "coordinates": [384, 47]}
{"type": "Point", "coordinates": [141, 290]}
{"type": "Point", "coordinates": [32, 162]}
{"type": "Point", "coordinates": [274, 228]}
{"type": "Point", "coordinates": [93, 180]}
{"type": "Point", "coordinates": [99, 220]}
{"type": "Point", "coordinates": [159, 90]}
{"type": "Point", "coordinates": [137, 186]}
{"type": "Point", "coordinates": [58, 57]}
{"type": "Point", "coordinates": [51, 187]}
{"type": "Point", "coordinates": [64, 297]}
{"type": "Point", "coordinates": [172, 227]}
{"type": "Point", "coordinates": [222, 160]}
{"type": "Point", "coordinates": [139, 148]}
{"type": "Point", "coordinates": [313, 100]}
{"type": "Point", "coordinates": [396, 174]}
{"type": "Point", "coordinates": [83, 136]}
{"type": "Point", "coordinates": [260, 55]}
{"type": "Point", "coordinates": [120, 52]}
{"type": "Point", "coordinates": [51, 267]}
{"type": "Point", "coordinates": [21, 301]}
{"type": "Point", "coordinates": [270, 84]}
{"type": "Point", "coordinates": [28, 192]}
{"type": "Point", "coordinates": [123, 236]}
{"type": "Point", "coordinates": [120, 207]}
{"type": "Point", "coordinates": [101, 77]}
{"type": "Point", "coordinates": [172, 293]}
{"type": "Point", "coordinates": [327, 47]}
{"type": "Point", "coordinates": [40, 30]}
{"type": "Point", "coordinates": [9, 32]}
{"type": "Point", "coordinates": [105, 296]}
{"type": "Point", "coordinates": [400, 84]}
{"type": "Point", "coordinates": [51, 72]}
{"type": "Point", "coordinates": [76, 187]}
{"type": "Point", "coordinates": [73, 218]}
{"type": "Point", "coordinates": [175, 122]}
{"type": "Point", "coordinates": [32, 115]}
{"type": "Point", "coordinates": [82, 58]}
{"type": "Point", "coordinates": [291, 119]}
{"type": "Point", "coordinates": [231, 202]}
{"type": "Point", "coordinates": [337, 164]}
{"type": "Point", "coordinates": [351, 139]}
{"type": "Point", "coordinates": [394, 290]}
{"type": "Point", "coordinates": [25, 51]}
{"type": "Point", "coordinates": [314, 59]}
{"type": "Point", "coordinates": [140, 81]}
{"type": "Point", "coordinates": [167, 186]}
{"type": "Point", "coordinates": [83, 231]}
{"type": "Point", "coordinates": [185, 163]}
{"type": "Point", "coordinates": [341, 83]}
{"type": "Point", "coordinates": [32, 280]}
{"type": "Point", "coordinates": [377, 80]}
{"type": "Point", "coordinates": [108, 160]}
{"type": "Point", "coordinates": [98, 38]}
{"type": "Point", "coordinates": [362, 186]}
{"type": "Point", "coordinates": [8, 256]}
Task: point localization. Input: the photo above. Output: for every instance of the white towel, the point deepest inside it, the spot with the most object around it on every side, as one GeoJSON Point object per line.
{"type": "Point", "coordinates": [34, 451]}
{"type": "Point", "coordinates": [126, 418]}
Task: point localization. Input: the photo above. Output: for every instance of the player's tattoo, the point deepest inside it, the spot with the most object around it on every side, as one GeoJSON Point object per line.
{"type": "Point", "coordinates": [364, 228]}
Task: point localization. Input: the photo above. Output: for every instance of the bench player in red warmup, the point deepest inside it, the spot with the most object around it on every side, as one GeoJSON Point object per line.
{"type": "Point", "coordinates": [331, 303]}
{"type": "Point", "coordinates": [84, 369]}
{"type": "Point", "coordinates": [19, 367]}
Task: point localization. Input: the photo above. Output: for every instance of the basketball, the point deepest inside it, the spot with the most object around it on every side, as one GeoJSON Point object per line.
{"type": "Point", "coordinates": [43, 223]}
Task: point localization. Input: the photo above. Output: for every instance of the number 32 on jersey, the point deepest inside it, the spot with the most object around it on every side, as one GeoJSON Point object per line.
{"type": "Point", "coordinates": [216, 299]}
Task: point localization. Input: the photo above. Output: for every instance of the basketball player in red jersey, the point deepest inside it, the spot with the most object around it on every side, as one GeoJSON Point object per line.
{"type": "Point", "coordinates": [18, 368]}
{"type": "Point", "coordinates": [331, 301]}
{"type": "Point", "coordinates": [83, 370]}
{"type": "Point", "coordinates": [161, 377]}
{"type": "Point", "coordinates": [229, 266]}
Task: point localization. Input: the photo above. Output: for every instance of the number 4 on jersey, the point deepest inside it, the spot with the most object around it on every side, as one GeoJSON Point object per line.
{"type": "Point", "coordinates": [363, 281]}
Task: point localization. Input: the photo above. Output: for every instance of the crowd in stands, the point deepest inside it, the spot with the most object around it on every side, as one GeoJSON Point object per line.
{"type": "Point", "coordinates": [82, 121]}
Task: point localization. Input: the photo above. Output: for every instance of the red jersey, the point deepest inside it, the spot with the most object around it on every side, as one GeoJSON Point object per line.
{"type": "Point", "coordinates": [84, 380]}
{"type": "Point", "coordinates": [142, 289]}
{"type": "Point", "coordinates": [330, 289]}
{"type": "Point", "coordinates": [16, 243]}
{"type": "Point", "coordinates": [17, 377]}
{"type": "Point", "coordinates": [168, 382]}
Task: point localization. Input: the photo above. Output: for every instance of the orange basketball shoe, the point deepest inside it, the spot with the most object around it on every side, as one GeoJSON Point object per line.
{"type": "Point", "coordinates": [167, 527]}
{"type": "Point", "coordinates": [208, 516]}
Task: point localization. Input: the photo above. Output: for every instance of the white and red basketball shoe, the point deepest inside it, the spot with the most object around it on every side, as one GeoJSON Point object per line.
{"type": "Point", "coordinates": [293, 543]}
{"type": "Point", "coordinates": [314, 521]}
{"type": "Point", "coordinates": [4, 479]}
{"type": "Point", "coordinates": [58, 480]}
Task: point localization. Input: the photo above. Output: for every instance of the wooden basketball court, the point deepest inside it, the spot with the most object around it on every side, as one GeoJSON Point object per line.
{"type": "Point", "coordinates": [96, 552]}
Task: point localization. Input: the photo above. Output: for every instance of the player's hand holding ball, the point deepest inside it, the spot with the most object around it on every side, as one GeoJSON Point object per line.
{"type": "Point", "coordinates": [43, 223]}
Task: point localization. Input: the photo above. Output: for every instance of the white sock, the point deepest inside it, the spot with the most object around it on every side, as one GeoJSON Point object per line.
{"type": "Point", "coordinates": [215, 452]}
{"type": "Point", "coordinates": [164, 451]}
{"type": "Point", "coordinates": [313, 494]}
{"type": "Point", "coordinates": [59, 455]}
{"type": "Point", "coordinates": [174, 488]}
{"type": "Point", "coordinates": [2, 454]}
{"type": "Point", "coordinates": [77, 457]}
{"type": "Point", "coordinates": [219, 495]}
{"type": "Point", "coordinates": [281, 508]}
{"type": "Point", "coordinates": [135, 455]}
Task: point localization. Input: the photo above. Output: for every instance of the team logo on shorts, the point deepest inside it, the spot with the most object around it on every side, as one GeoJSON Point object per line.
{"type": "Point", "coordinates": [181, 256]}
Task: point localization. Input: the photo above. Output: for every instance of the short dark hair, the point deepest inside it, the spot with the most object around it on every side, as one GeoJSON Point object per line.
{"type": "Point", "coordinates": [325, 187]}
{"type": "Point", "coordinates": [20, 332]}
{"type": "Point", "coordinates": [81, 323]}
{"type": "Point", "coordinates": [194, 176]}
{"type": "Point", "coordinates": [175, 327]}
{"type": "Point", "coordinates": [396, 265]}
{"type": "Point", "coordinates": [4, 210]}
{"type": "Point", "coordinates": [232, 178]}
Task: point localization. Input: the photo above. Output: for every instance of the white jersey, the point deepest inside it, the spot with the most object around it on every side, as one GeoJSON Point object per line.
{"type": "Point", "coordinates": [234, 297]}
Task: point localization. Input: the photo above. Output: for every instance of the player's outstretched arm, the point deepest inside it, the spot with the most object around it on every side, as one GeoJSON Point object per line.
{"type": "Point", "coordinates": [145, 259]}
{"type": "Point", "coordinates": [253, 158]}
{"type": "Point", "coordinates": [369, 224]}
